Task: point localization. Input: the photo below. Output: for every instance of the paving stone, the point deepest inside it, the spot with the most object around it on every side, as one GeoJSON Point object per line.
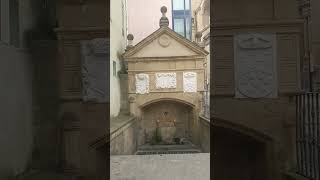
{"type": "Point", "coordinates": [161, 167]}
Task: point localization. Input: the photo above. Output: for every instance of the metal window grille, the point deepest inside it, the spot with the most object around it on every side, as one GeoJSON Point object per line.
{"type": "Point", "coordinates": [308, 135]}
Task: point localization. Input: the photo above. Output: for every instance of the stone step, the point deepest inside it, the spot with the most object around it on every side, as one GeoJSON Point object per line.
{"type": "Point", "coordinates": [167, 149]}
{"type": "Point", "coordinates": [168, 152]}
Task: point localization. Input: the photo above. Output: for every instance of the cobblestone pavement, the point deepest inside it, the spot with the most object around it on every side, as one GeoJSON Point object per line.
{"type": "Point", "coordinates": [161, 167]}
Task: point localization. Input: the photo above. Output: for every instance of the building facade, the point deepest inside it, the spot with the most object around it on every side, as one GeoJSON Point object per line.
{"type": "Point", "coordinates": [248, 114]}
{"type": "Point", "coordinates": [55, 102]}
{"type": "Point", "coordinates": [118, 41]}
{"type": "Point", "coordinates": [159, 70]}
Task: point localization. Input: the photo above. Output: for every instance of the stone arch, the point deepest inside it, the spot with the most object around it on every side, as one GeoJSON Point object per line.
{"type": "Point", "coordinates": [138, 102]}
{"type": "Point", "coordinates": [183, 101]}
{"type": "Point", "coordinates": [244, 141]}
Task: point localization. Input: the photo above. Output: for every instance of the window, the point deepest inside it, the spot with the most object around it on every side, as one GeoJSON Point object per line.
{"type": "Point", "coordinates": [181, 17]}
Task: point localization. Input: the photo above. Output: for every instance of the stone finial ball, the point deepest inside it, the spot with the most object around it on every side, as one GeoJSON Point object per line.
{"type": "Point", "coordinates": [163, 9]}
{"type": "Point", "coordinates": [130, 37]}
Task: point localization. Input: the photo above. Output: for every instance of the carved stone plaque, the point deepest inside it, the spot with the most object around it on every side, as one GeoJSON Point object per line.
{"type": "Point", "coordinates": [166, 80]}
{"type": "Point", "coordinates": [255, 65]}
{"type": "Point", "coordinates": [142, 83]}
{"type": "Point", "coordinates": [95, 70]}
{"type": "Point", "coordinates": [190, 82]}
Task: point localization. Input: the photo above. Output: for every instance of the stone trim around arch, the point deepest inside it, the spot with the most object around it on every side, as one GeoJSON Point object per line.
{"type": "Point", "coordinates": [191, 99]}
{"type": "Point", "coordinates": [166, 99]}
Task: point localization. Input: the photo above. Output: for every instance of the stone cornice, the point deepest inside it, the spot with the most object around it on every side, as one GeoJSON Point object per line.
{"type": "Point", "coordinates": [165, 30]}
{"type": "Point", "coordinates": [171, 58]}
{"type": "Point", "coordinates": [257, 24]}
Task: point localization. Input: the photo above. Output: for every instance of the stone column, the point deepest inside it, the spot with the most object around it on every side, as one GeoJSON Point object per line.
{"type": "Point", "coordinates": [133, 106]}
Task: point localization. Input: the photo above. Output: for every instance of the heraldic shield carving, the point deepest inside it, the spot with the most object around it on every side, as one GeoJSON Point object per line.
{"type": "Point", "coordinates": [255, 65]}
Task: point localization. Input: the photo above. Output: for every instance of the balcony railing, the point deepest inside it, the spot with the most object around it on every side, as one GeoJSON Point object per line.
{"type": "Point", "coordinates": [308, 135]}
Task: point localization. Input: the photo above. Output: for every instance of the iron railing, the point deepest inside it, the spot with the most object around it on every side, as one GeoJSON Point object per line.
{"type": "Point", "coordinates": [308, 135]}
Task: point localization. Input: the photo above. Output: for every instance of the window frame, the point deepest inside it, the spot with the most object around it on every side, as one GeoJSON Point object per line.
{"type": "Point", "coordinates": [183, 14]}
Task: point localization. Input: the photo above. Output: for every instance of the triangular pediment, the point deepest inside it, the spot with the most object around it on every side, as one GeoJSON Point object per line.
{"type": "Point", "coordinates": [165, 43]}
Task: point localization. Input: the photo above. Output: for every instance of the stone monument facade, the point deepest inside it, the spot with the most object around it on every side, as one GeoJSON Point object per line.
{"type": "Point", "coordinates": [166, 70]}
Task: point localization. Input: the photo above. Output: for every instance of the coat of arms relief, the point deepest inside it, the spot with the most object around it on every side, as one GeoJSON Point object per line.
{"type": "Point", "coordinates": [255, 65]}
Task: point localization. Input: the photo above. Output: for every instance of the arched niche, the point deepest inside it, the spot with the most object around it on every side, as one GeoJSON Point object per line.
{"type": "Point", "coordinates": [166, 112]}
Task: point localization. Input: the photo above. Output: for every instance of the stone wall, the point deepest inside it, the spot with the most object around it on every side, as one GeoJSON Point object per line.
{"type": "Point", "coordinates": [205, 134]}
{"type": "Point", "coordinates": [123, 139]}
